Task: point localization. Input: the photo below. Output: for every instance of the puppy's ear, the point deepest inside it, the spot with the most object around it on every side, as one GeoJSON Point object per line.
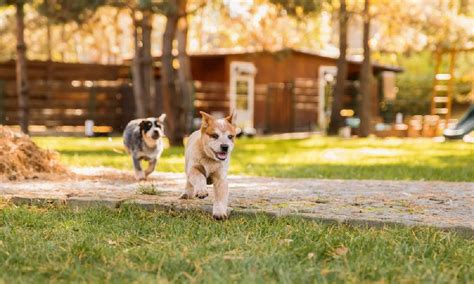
{"type": "Point", "coordinates": [206, 119]}
{"type": "Point", "coordinates": [231, 117]}
{"type": "Point", "coordinates": [162, 118]}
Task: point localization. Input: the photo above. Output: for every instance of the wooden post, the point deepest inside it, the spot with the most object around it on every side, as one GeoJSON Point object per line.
{"type": "Point", "coordinates": [452, 66]}
{"type": "Point", "coordinates": [291, 90]}
{"type": "Point", "coordinates": [92, 103]}
{"type": "Point", "coordinates": [2, 102]}
{"type": "Point", "coordinates": [437, 56]}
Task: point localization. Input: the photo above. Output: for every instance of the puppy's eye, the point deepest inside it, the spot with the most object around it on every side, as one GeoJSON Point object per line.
{"type": "Point", "coordinates": [158, 125]}
{"type": "Point", "coordinates": [230, 137]}
{"type": "Point", "coordinates": [214, 135]}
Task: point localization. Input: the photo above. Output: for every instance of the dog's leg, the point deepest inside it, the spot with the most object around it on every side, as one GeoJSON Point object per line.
{"type": "Point", "coordinates": [139, 174]}
{"type": "Point", "coordinates": [198, 182]}
{"type": "Point", "coordinates": [188, 191]}
{"type": "Point", "coordinates": [151, 167]}
{"type": "Point", "coordinates": [221, 199]}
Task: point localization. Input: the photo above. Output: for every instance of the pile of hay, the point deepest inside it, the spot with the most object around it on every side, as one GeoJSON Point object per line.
{"type": "Point", "coordinates": [21, 158]}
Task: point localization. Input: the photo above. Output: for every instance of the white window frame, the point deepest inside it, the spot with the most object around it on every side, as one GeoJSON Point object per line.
{"type": "Point", "coordinates": [245, 71]}
{"type": "Point", "coordinates": [322, 100]}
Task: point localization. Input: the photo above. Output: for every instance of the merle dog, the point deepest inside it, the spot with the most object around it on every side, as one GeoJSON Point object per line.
{"type": "Point", "coordinates": [143, 140]}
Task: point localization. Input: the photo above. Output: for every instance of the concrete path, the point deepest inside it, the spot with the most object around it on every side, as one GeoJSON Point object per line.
{"type": "Point", "coordinates": [447, 205]}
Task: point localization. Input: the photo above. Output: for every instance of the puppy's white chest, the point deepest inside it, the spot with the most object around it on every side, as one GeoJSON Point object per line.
{"type": "Point", "coordinates": [152, 154]}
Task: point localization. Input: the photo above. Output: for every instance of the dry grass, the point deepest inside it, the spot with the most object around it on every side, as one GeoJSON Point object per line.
{"type": "Point", "coordinates": [21, 158]}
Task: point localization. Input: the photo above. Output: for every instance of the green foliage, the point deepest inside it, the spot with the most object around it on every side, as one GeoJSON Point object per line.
{"type": "Point", "coordinates": [416, 82]}
{"type": "Point", "coordinates": [130, 245]}
{"type": "Point", "coordinates": [12, 2]}
{"type": "Point", "coordinates": [63, 11]}
{"type": "Point", "coordinates": [315, 157]}
{"type": "Point", "coordinates": [299, 8]}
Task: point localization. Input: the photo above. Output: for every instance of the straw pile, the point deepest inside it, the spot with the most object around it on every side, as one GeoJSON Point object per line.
{"type": "Point", "coordinates": [21, 158]}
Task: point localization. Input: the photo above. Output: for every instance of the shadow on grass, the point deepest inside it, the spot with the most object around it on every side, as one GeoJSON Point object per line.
{"type": "Point", "coordinates": [339, 171]}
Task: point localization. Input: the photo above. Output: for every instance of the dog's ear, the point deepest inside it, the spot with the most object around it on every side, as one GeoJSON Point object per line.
{"type": "Point", "coordinates": [162, 117]}
{"type": "Point", "coordinates": [231, 117]}
{"type": "Point", "coordinates": [206, 119]}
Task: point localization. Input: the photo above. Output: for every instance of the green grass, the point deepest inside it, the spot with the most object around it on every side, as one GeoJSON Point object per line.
{"type": "Point", "coordinates": [147, 189]}
{"type": "Point", "coordinates": [132, 245]}
{"type": "Point", "coordinates": [316, 157]}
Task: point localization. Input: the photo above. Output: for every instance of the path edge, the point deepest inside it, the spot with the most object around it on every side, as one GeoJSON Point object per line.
{"type": "Point", "coordinates": [84, 203]}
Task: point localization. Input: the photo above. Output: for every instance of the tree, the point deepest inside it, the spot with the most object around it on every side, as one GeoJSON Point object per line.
{"type": "Point", "coordinates": [21, 66]}
{"type": "Point", "coordinates": [366, 77]}
{"type": "Point", "coordinates": [171, 98]}
{"type": "Point", "coordinates": [177, 99]}
{"type": "Point", "coordinates": [184, 71]}
{"type": "Point", "coordinates": [336, 118]}
{"type": "Point", "coordinates": [142, 64]}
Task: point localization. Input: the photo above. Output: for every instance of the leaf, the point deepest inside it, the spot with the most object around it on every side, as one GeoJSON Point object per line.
{"type": "Point", "coordinates": [340, 251]}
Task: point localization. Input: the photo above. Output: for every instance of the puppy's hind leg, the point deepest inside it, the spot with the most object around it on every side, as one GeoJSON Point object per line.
{"type": "Point", "coordinates": [151, 167]}
{"type": "Point", "coordinates": [139, 174]}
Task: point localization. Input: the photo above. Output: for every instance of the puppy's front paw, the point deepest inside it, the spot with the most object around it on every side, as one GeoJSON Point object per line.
{"type": "Point", "coordinates": [202, 194]}
{"type": "Point", "coordinates": [186, 196]}
{"type": "Point", "coordinates": [140, 176]}
{"type": "Point", "coordinates": [219, 217]}
{"type": "Point", "coordinates": [219, 213]}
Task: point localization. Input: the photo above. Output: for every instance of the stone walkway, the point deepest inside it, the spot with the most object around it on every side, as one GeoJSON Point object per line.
{"type": "Point", "coordinates": [447, 205]}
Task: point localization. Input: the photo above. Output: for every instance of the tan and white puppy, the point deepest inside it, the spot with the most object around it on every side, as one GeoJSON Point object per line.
{"type": "Point", "coordinates": [207, 158]}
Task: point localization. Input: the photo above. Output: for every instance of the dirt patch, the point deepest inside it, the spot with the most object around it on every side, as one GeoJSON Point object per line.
{"type": "Point", "coordinates": [447, 205]}
{"type": "Point", "coordinates": [21, 158]}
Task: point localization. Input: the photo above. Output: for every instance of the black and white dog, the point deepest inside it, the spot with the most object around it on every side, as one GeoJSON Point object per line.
{"type": "Point", "coordinates": [143, 140]}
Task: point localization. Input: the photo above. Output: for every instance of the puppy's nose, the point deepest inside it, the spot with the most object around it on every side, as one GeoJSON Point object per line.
{"type": "Point", "coordinates": [224, 147]}
{"type": "Point", "coordinates": [155, 134]}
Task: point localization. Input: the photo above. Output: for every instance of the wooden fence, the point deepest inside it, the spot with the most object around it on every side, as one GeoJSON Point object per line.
{"type": "Point", "coordinates": [63, 95]}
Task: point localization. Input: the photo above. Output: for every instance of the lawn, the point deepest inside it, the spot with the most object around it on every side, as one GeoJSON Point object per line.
{"type": "Point", "coordinates": [129, 244]}
{"type": "Point", "coordinates": [315, 157]}
{"type": "Point", "coordinates": [132, 245]}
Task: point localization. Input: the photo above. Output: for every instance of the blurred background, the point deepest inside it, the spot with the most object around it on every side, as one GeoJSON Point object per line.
{"type": "Point", "coordinates": [387, 68]}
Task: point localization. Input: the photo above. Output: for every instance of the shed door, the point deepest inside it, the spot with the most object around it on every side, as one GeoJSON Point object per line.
{"type": "Point", "coordinates": [242, 85]}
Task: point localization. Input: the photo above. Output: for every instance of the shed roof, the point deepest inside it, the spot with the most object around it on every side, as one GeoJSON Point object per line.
{"type": "Point", "coordinates": [224, 52]}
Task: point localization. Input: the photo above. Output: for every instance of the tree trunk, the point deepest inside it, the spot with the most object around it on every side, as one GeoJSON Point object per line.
{"type": "Point", "coordinates": [137, 75]}
{"type": "Point", "coordinates": [184, 71]}
{"type": "Point", "coordinates": [147, 64]}
{"type": "Point", "coordinates": [339, 90]}
{"type": "Point", "coordinates": [365, 78]}
{"type": "Point", "coordinates": [172, 100]}
{"type": "Point", "coordinates": [48, 41]}
{"type": "Point", "coordinates": [21, 74]}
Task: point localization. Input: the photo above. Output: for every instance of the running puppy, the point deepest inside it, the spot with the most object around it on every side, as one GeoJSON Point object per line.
{"type": "Point", "coordinates": [143, 140]}
{"type": "Point", "coordinates": [207, 158]}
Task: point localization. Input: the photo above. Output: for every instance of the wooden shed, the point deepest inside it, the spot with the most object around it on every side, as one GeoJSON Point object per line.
{"type": "Point", "coordinates": [284, 91]}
